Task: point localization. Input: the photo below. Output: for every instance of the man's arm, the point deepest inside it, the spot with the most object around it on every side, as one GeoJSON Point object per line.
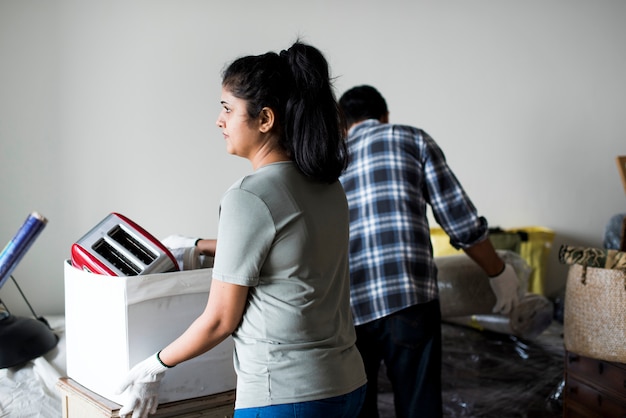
{"type": "Point", "coordinates": [502, 277]}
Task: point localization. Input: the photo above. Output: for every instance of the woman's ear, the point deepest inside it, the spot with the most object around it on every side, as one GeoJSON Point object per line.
{"type": "Point", "coordinates": [266, 119]}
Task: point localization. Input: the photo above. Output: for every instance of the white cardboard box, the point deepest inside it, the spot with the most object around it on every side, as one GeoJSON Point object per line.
{"type": "Point", "coordinates": [112, 323]}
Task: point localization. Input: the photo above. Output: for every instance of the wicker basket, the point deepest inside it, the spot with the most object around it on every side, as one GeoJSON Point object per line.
{"type": "Point", "coordinates": [595, 313]}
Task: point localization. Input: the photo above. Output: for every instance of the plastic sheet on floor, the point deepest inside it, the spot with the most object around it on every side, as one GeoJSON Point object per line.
{"type": "Point", "coordinates": [488, 374]}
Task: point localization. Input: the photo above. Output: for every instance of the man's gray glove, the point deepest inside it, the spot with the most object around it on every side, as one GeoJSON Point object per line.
{"type": "Point", "coordinates": [178, 241]}
{"type": "Point", "coordinates": [142, 383]}
{"type": "Point", "coordinates": [506, 287]}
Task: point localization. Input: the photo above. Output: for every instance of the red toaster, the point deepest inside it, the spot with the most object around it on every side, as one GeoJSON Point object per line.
{"type": "Point", "coordinates": [119, 247]}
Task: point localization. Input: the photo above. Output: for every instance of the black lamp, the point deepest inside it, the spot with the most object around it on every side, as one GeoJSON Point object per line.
{"type": "Point", "coordinates": [22, 339]}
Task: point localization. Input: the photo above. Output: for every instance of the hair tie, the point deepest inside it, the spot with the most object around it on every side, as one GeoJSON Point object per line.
{"type": "Point", "coordinates": [285, 64]}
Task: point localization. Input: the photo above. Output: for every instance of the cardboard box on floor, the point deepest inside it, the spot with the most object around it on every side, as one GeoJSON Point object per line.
{"type": "Point", "coordinates": [112, 323]}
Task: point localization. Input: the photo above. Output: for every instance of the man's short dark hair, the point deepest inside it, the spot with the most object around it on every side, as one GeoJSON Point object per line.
{"type": "Point", "coordinates": [361, 103]}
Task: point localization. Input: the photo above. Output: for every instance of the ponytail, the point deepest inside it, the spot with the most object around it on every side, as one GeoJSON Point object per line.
{"type": "Point", "coordinates": [313, 127]}
{"type": "Point", "coordinates": [297, 86]}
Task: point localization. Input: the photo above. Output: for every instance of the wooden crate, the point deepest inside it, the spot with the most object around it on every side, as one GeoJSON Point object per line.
{"type": "Point", "coordinates": [79, 402]}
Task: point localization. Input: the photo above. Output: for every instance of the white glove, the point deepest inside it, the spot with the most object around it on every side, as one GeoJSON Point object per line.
{"type": "Point", "coordinates": [178, 241]}
{"type": "Point", "coordinates": [142, 383]}
{"type": "Point", "coordinates": [505, 286]}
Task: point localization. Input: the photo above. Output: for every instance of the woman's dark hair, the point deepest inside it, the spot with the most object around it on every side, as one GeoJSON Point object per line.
{"type": "Point", "coordinates": [296, 85]}
{"type": "Point", "coordinates": [361, 103]}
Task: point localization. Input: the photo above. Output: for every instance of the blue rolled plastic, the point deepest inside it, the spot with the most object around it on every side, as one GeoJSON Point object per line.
{"type": "Point", "coordinates": [12, 254]}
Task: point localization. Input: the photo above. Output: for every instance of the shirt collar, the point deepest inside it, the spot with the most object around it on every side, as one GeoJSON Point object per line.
{"type": "Point", "coordinates": [363, 124]}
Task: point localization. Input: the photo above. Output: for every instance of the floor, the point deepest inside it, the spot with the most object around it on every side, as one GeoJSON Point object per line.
{"type": "Point", "coordinates": [486, 374]}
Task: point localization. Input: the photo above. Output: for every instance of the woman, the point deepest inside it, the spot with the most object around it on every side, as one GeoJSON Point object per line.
{"type": "Point", "coordinates": [280, 278]}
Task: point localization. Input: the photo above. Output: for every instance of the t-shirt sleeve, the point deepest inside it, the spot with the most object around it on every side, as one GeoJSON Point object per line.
{"type": "Point", "coordinates": [245, 234]}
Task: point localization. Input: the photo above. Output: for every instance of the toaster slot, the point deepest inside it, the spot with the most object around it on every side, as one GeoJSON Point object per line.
{"type": "Point", "coordinates": [115, 257]}
{"type": "Point", "coordinates": [132, 244]}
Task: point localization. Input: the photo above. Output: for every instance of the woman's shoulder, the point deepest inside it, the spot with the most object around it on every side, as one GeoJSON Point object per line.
{"type": "Point", "coordinates": [266, 179]}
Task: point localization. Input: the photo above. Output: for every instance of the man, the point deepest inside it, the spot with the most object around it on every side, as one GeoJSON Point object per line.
{"type": "Point", "coordinates": [395, 171]}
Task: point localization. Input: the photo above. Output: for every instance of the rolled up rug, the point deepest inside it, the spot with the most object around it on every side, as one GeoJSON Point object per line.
{"type": "Point", "coordinates": [529, 319]}
{"type": "Point", "coordinates": [467, 299]}
{"type": "Point", "coordinates": [464, 287]}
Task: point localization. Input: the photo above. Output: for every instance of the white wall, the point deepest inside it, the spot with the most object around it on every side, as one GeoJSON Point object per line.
{"type": "Point", "coordinates": [110, 106]}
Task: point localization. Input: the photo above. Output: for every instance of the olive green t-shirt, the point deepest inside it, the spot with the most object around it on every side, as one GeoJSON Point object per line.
{"type": "Point", "coordinates": [286, 237]}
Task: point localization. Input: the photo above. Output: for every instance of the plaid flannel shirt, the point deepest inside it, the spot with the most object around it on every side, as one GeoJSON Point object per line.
{"type": "Point", "coordinates": [395, 171]}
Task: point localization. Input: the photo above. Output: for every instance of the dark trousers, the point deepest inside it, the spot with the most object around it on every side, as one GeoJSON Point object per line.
{"type": "Point", "coordinates": [409, 342]}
